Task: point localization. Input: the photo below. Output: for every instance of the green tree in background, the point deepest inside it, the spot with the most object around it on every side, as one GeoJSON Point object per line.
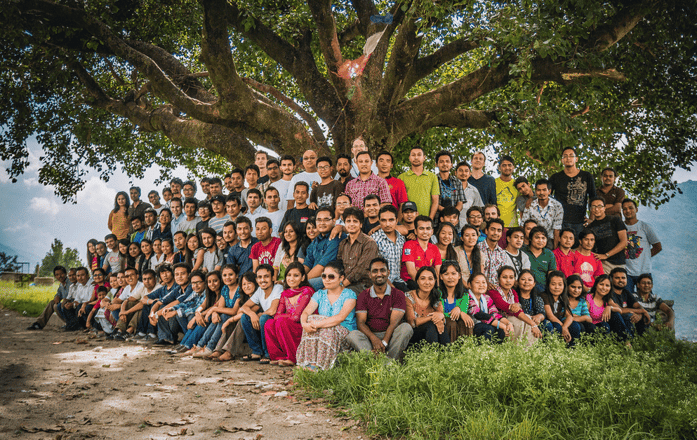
{"type": "Point", "coordinates": [201, 84]}
{"type": "Point", "coordinates": [8, 263]}
{"type": "Point", "coordinates": [58, 256]}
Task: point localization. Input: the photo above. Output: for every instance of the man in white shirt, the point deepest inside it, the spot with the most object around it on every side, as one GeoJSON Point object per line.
{"type": "Point", "coordinates": [472, 197]}
{"type": "Point", "coordinates": [130, 305]}
{"type": "Point", "coordinates": [82, 293]}
{"type": "Point", "coordinates": [254, 209]}
{"type": "Point", "coordinates": [309, 176]}
{"type": "Point", "coordinates": [272, 199]}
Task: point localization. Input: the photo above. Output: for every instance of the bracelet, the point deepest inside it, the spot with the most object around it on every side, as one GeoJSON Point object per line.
{"type": "Point", "coordinates": [383, 342]}
{"type": "Point", "coordinates": [498, 324]}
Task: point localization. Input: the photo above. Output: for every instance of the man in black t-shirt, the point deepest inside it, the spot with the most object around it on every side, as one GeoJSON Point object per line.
{"type": "Point", "coordinates": [610, 236]}
{"type": "Point", "coordinates": [300, 212]}
{"type": "Point", "coordinates": [634, 315]}
{"type": "Point", "coordinates": [573, 188]}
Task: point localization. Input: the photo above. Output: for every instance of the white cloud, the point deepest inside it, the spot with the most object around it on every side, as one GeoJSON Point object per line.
{"type": "Point", "coordinates": [16, 228]}
{"type": "Point", "coordinates": [31, 182]}
{"type": "Point", "coordinates": [97, 196]}
{"type": "Point", "coordinates": [44, 205]}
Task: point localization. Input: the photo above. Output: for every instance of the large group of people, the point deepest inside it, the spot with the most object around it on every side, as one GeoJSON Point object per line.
{"type": "Point", "coordinates": [291, 262]}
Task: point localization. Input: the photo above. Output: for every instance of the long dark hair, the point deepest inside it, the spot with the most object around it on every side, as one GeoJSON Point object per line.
{"type": "Point", "coordinates": [572, 279]}
{"type": "Point", "coordinates": [606, 298]}
{"type": "Point", "coordinates": [211, 296]}
{"type": "Point", "coordinates": [90, 256]}
{"type": "Point", "coordinates": [116, 203]}
{"type": "Point", "coordinates": [459, 287]}
{"type": "Point", "coordinates": [251, 278]}
{"type": "Point", "coordinates": [434, 294]}
{"type": "Point", "coordinates": [300, 233]}
{"type": "Point", "coordinates": [476, 259]}
{"type": "Point", "coordinates": [189, 253]}
{"type": "Point", "coordinates": [563, 298]}
{"type": "Point", "coordinates": [534, 292]}
{"type": "Point", "coordinates": [300, 267]}
{"type": "Point", "coordinates": [131, 261]}
{"type": "Point", "coordinates": [450, 253]}
{"type": "Point", "coordinates": [306, 240]}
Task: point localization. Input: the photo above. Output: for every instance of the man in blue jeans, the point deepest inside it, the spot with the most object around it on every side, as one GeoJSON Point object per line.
{"type": "Point", "coordinates": [322, 250]}
{"type": "Point", "coordinates": [152, 301]}
{"type": "Point", "coordinates": [177, 316]}
{"type": "Point", "coordinates": [265, 302]}
{"type": "Point", "coordinates": [160, 308]}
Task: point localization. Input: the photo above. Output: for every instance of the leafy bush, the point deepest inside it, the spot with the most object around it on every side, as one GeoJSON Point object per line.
{"type": "Point", "coordinates": [32, 299]}
{"type": "Point", "coordinates": [468, 390]}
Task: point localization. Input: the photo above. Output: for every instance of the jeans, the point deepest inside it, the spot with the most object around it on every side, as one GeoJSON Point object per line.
{"type": "Point", "coordinates": [255, 338]}
{"type": "Point", "coordinates": [316, 283]}
{"type": "Point", "coordinates": [192, 336]}
{"type": "Point", "coordinates": [144, 325]}
{"type": "Point", "coordinates": [615, 325]}
{"type": "Point", "coordinates": [429, 332]}
{"type": "Point", "coordinates": [213, 333]}
{"type": "Point", "coordinates": [488, 331]}
{"type": "Point", "coordinates": [638, 327]}
{"type": "Point", "coordinates": [167, 330]}
{"type": "Point", "coordinates": [574, 330]}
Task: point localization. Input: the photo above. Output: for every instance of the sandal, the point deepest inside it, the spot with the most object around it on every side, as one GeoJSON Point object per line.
{"type": "Point", "coordinates": [275, 362]}
{"type": "Point", "coordinates": [264, 361]}
{"type": "Point", "coordinates": [215, 355]}
{"type": "Point", "coordinates": [225, 357]}
{"type": "Point", "coordinates": [250, 357]}
{"type": "Point", "coordinates": [286, 363]}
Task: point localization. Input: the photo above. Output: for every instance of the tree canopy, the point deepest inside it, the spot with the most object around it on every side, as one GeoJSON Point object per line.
{"type": "Point", "coordinates": [203, 83]}
{"type": "Point", "coordinates": [59, 256]}
{"type": "Point", "coordinates": [9, 263]}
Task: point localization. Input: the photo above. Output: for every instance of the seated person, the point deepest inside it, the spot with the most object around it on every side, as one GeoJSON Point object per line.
{"type": "Point", "coordinates": [61, 275]}
{"type": "Point", "coordinates": [371, 208]}
{"type": "Point", "coordinates": [507, 302]}
{"type": "Point", "coordinates": [541, 258]}
{"type": "Point", "coordinates": [240, 252]}
{"type": "Point", "coordinates": [164, 328]}
{"type": "Point", "coordinates": [104, 323]}
{"type": "Point", "coordinates": [652, 304]}
{"type": "Point", "coordinates": [325, 332]}
{"type": "Point", "coordinates": [488, 322]}
{"type": "Point", "coordinates": [558, 310]}
{"type": "Point", "coordinates": [420, 252]}
{"type": "Point", "coordinates": [605, 312]}
{"type": "Point", "coordinates": [578, 304]}
{"type": "Point", "coordinates": [148, 319]}
{"type": "Point", "coordinates": [322, 249]}
{"type": "Point", "coordinates": [264, 250]}
{"type": "Point", "coordinates": [586, 265]}
{"type": "Point", "coordinates": [176, 316]}
{"type": "Point", "coordinates": [635, 317]}
{"type": "Point", "coordinates": [425, 310]}
{"type": "Point", "coordinates": [300, 211]}
{"type": "Point", "coordinates": [455, 301]}
{"type": "Point", "coordinates": [257, 310]}
{"type": "Point", "coordinates": [130, 305]}
{"type": "Point", "coordinates": [379, 313]}
{"type": "Point", "coordinates": [515, 258]}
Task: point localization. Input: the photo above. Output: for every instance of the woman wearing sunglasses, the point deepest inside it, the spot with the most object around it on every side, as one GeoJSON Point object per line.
{"type": "Point", "coordinates": [324, 335]}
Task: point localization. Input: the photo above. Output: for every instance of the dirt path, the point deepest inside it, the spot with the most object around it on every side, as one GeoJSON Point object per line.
{"type": "Point", "coordinates": [63, 385]}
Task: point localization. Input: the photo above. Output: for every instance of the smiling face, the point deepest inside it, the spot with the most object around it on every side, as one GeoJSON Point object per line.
{"type": "Point", "coordinates": [294, 278]}
{"type": "Point", "coordinates": [289, 234]}
{"type": "Point", "coordinates": [324, 169]}
{"type": "Point", "coordinates": [478, 285]}
{"type": "Point", "coordinates": [331, 278]}
{"type": "Point", "coordinates": [379, 273]}
{"type": "Point", "coordinates": [470, 237]}
{"type": "Point", "coordinates": [248, 287]}
{"type": "Point", "coordinates": [214, 283]}
{"type": "Point", "coordinates": [450, 277]}
{"type": "Point", "coordinates": [229, 277]}
{"type": "Point", "coordinates": [526, 282]}
{"type": "Point", "coordinates": [507, 279]}
{"type": "Point", "coordinates": [165, 218]}
{"type": "Point", "coordinates": [384, 164]}
{"type": "Point", "coordinates": [463, 173]}
{"type": "Point", "coordinates": [264, 279]}
{"type": "Point", "coordinates": [603, 287]}
{"type": "Point", "coordinates": [309, 160]}
{"type": "Point", "coordinates": [244, 231]}
{"type": "Point", "coordinates": [181, 276]}
{"type": "Point", "coordinates": [426, 281]}
{"type": "Point", "coordinates": [198, 284]}
{"type": "Point", "coordinates": [424, 230]}
{"type": "Point", "coordinates": [556, 285]}
{"type": "Point", "coordinates": [167, 248]}
{"type": "Point", "coordinates": [506, 168]}
{"type": "Point", "coordinates": [575, 289]}
{"type": "Point", "coordinates": [445, 236]}
{"type": "Point", "coordinates": [478, 160]}
{"type": "Point", "coordinates": [311, 231]}
{"type": "Point", "coordinates": [371, 208]}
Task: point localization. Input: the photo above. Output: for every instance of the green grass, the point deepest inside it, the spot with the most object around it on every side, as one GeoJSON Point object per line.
{"type": "Point", "coordinates": [470, 391]}
{"type": "Point", "coordinates": [30, 300]}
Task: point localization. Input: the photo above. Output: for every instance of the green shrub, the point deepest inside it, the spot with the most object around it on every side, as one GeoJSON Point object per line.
{"type": "Point", "coordinates": [603, 390]}
{"type": "Point", "coordinates": [31, 299]}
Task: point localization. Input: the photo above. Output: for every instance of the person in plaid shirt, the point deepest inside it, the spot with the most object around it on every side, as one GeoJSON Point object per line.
{"type": "Point", "coordinates": [367, 183]}
{"type": "Point", "coordinates": [390, 244]}
{"type": "Point", "coordinates": [451, 191]}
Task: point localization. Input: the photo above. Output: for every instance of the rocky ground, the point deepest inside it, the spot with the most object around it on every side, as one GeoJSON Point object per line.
{"type": "Point", "coordinates": [62, 385]}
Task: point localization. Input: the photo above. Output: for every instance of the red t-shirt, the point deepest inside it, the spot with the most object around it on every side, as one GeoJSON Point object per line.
{"type": "Point", "coordinates": [265, 254]}
{"type": "Point", "coordinates": [398, 191]}
{"type": "Point", "coordinates": [565, 263]}
{"type": "Point", "coordinates": [412, 252]}
{"type": "Point", "coordinates": [589, 268]}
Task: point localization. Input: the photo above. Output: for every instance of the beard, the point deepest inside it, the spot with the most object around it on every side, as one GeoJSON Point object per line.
{"type": "Point", "coordinates": [344, 173]}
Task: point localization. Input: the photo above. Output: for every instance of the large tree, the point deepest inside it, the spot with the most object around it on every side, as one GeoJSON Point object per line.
{"type": "Point", "coordinates": [202, 84]}
{"type": "Point", "coordinates": [59, 256]}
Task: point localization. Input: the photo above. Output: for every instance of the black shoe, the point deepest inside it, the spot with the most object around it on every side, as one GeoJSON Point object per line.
{"type": "Point", "coordinates": [110, 336]}
{"type": "Point", "coordinates": [34, 326]}
{"type": "Point", "coordinates": [162, 342]}
{"type": "Point", "coordinates": [119, 337]}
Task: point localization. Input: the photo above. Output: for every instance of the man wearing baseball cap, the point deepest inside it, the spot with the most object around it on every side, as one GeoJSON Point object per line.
{"type": "Point", "coordinates": [220, 216]}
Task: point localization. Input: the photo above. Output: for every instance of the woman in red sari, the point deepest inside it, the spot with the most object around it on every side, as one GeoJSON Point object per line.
{"type": "Point", "coordinates": [283, 331]}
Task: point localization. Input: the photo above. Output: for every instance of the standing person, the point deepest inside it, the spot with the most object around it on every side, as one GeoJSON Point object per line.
{"type": "Point", "coordinates": [611, 194]}
{"type": "Point", "coordinates": [236, 185]}
{"type": "Point", "coordinates": [472, 197]}
{"type": "Point", "coordinates": [326, 193]}
{"type": "Point", "coordinates": [254, 208]}
{"type": "Point", "coordinates": [542, 260]}
{"type": "Point", "coordinates": [475, 218]}
{"type": "Point", "coordinates": [358, 147]}
{"type": "Point", "coordinates": [300, 211]}
{"type": "Point", "coordinates": [564, 255]}
{"type": "Point", "coordinates": [188, 225]}
{"type": "Point", "coordinates": [309, 176]}
{"type": "Point", "coordinates": [261, 159]}
{"type": "Point", "coordinates": [264, 250]}
{"type": "Point", "coordinates": [137, 207]}
{"type": "Point", "coordinates": [251, 177]}
{"type": "Point", "coordinates": [506, 193]}
{"type": "Point", "coordinates": [367, 182]}
{"type": "Point", "coordinates": [485, 184]}
{"type": "Point", "coordinates": [322, 249]}
{"type": "Point", "coordinates": [283, 331]}
{"type": "Point", "coordinates": [390, 244]}
{"type": "Point", "coordinates": [139, 229]}
{"type": "Point", "coordinates": [493, 256]}
{"type": "Point", "coordinates": [640, 236]}
{"type": "Point", "coordinates": [204, 214]}
{"type": "Point", "coordinates": [265, 302]}
{"type": "Point", "coordinates": [206, 187]}
{"type": "Point", "coordinates": [371, 209]}
{"type": "Point", "coordinates": [525, 194]}
{"type": "Point", "coordinates": [220, 216]}
{"type": "Point", "coordinates": [154, 199]}
{"type": "Point", "coordinates": [61, 275]}
{"type": "Point", "coordinates": [547, 212]}
{"type": "Point", "coordinates": [273, 174]}
{"type": "Point", "coordinates": [469, 256]}
{"type": "Point", "coordinates": [420, 252]}
{"type": "Point", "coordinates": [379, 313]}
{"type": "Point", "coordinates": [151, 225]}
{"type": "Point", "coordinates": [165, 229]}
{"type": "Point", "coordinates": [233, 207]}
{"type": "Point", "coordinates": [176, 211]}
{"type": "Point", "coordinates": [324, 333]}
{"type": "Point", "coordinates": [343, 169]}
{"type": "Point", "coordinates": [272, 199]}
{"type": "Point", "coordinates": [455, 301]}
{"type": "Point", "coordinates": [356, 251]}
{"type": "Point", "coordinates": [215, 186]}
{"type": "Point", "coordinates": [385, 163]}
{"type": "Point", "coordinates": [119, 223]}
{"type": "Point", "coordinates": [112, 260]}
{"type": "Point", "coordinates": [573, 188]}
{"type": "Point", "coordinates": [610, 236]}
{"type": "Point", "coordinates": [175, 185]}
{"type": "Point", "coordinates": [425, 311]}
{"type": "Point", "coordinates": [189, 191]}
{"type": "Point", "coordinates": [240, 252]}
{"type": "Point", "coordinates": [451, 191]}
{"type": "Point", "coordinates": [286, 167]}
{"type": "Point", "coordinates": [422, 185]}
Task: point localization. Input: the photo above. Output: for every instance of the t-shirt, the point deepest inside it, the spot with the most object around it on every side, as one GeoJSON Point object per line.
{"type": "Point", "coordinates": [589, 268]}
{"type": "Point", "coordinates": [306, 177]}
{"type": "Point", "coordinates": [114, 260]}
{"type": "Point", "coordinates": [573, 193]}
{"type": "Point", "coordinates": [506, 194]}
{"type": "Point", "coordinates": [624, 299]}
{"type": "Point", "coordinates": [135, 293]}
{"type": "Point", "coordinates": [486, 185]}
{"type": "Point", "coordinates": [651, 305]}
{"type": "Point", "coordinates": [379, 310]}
{"type": "Point", "coordinates": [188, 226]}
{"type": "Point", "coordinates": [565, 262]}
{"type": "Point", "coordinates": [259, 297]}
{"type": "Point", "coordinates": [541, 265]}
{"type": "Point", "coordinates": [368, 226]}
{"type": "Point", "coordinates": [296, 215]}
{"type": "Point", "coordinates": [265, 254]}
{"type": "Point", "coordinates": [282, 187]}
{"type": "Point", "coordinates": [259, 212]}
{"type": "Point", "coordinates": [614, 195]}
{"type": "Point", "coordinates": [413, 252]}
{"type": "Point", "coordinates": [606, 237]}
{"type": "Point", "coordinates": [276, 218]}
{"type": "Point", "coordinates": [212, 259]}
{"type": "Point", "coordinates": [518, 262]}
{"type": "Point", "coordinates": [640, 238]}
{"type": "Point", "coordinates": [325, 195]}
{"type": "Point", "coordinates": [397, 190]}
{"type": "Point", "coordinates": [240, 256]}
{"type": "Point", "coordinates": [421, 188]}
{"type": "Point", "coordinates": [326, 308]}
{"type": "Point", "coordinates": [218, 223]}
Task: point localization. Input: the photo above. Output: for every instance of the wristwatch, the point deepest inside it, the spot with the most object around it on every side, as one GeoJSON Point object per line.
{"type": "Point", "coordinates": [383, 342]}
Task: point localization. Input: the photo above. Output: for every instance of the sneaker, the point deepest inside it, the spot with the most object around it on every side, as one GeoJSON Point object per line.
{"type": "Point", "coordinates": [162, 342]}
{"type": "Point", "coordinates": [152, 336]}
{"type": "Point", "coordinates": [138, 337]}
{"type": "Point", "coordinates": [34, 326]}
{"type": "Point", "coordinates": [109, 336]}
{"type": "Point", "coordinates": [119, 337]}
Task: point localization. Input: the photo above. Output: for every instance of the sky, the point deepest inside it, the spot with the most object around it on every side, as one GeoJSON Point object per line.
{"type": "Point", "coordinates": [31, 216]}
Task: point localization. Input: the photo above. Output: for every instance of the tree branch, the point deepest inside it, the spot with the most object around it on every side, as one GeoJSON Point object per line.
{"type": "Point", "coordinates": [404, 51]}
{"type": "Point", "coordinates": [328, 38]}
{"type": "Point", "coordinates": [460, 118]}
{"type": "Point", "coordinates": [424, 66]}
{"type": "Point", "coordinates": [623, 23]}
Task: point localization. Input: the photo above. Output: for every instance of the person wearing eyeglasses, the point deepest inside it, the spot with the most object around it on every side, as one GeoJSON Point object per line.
{"type": "Point", "coordinates": [328, 190]}
{"type": "Point", "coordinates": [573, 188]}
{"type": "Point", "coordinates": [324, 334]}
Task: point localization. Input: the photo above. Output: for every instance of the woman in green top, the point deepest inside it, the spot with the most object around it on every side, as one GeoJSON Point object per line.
{"type": "Point", "coordinates": [455, 300]}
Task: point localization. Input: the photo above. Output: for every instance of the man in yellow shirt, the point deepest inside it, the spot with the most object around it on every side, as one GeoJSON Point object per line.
{"type": "Point", "coordinates": [422, 186]}
{"type": "Point", "coordinates": [506, 193]}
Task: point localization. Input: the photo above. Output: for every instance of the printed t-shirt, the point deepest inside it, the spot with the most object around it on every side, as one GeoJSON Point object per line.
{"type": "Point", "coordinates": [413, 252]}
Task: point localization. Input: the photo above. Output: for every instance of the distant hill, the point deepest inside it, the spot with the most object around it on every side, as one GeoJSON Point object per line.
{"type": "Point", "coordinates": [675, 268]}
{"type": "Point", "coordinates": [22, 256]}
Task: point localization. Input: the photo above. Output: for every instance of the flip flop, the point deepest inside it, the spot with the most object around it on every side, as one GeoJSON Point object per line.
{"type": "Point", "coordinates": [264, 361]}
{"type": "Point", "coordinates": [250, 357]}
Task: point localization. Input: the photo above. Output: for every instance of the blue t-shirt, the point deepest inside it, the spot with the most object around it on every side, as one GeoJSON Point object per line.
{"type": "Point", "coordinates": [240, 256]}
{"type": "Point", "coordinates": [326, 308]}
{"type": "Point", "coordinates": [225, 293]}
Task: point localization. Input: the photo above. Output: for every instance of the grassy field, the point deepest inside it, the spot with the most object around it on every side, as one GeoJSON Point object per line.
{"type": "Point", "coordinates": [482, 392]}
{"type": "Point", "coordinates": [26, 300]}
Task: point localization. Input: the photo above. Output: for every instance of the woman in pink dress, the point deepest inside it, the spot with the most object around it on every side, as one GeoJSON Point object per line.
{"type": "Point", "coordinates": [283, 331]}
